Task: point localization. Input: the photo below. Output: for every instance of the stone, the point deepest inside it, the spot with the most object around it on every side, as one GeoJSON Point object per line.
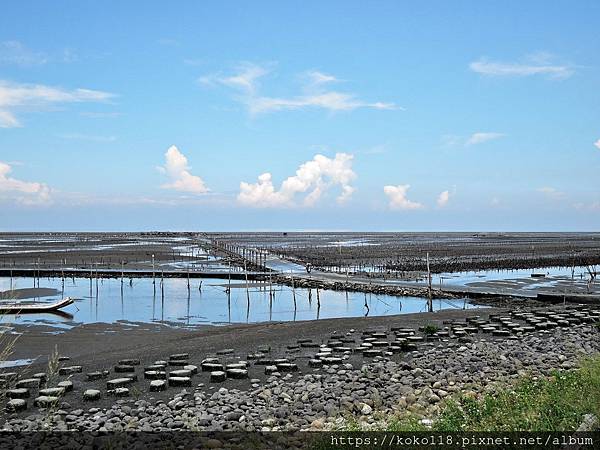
{"type": "Point", "coordinates": [180, 381]}
{"type": "Point", "coordinates": [121, 392]}
{"type": "Point", "coordinates": [314, 363]}
{"type": "Point", "coordinates": [40, 375]}
{"type": "Point", "coordinates": [157, 385]}
{"type": "Point", "coordinates": [180, 373]}
{"type": "Point", "coordinates": [28, 383]}
{"type": "Point", "coordinates": [91, 395]}
{"type": "Point", "coordinates": [16, 405]}
{"type": "Point", "coordinates": [237, 373]}
{"type": "Point", "coordinates": [93, 376]}
{"type": "Point", "coordinates": [270, 369]}
{"type": "Point", "coordinates": [366, 409]}
{"type": "Point", "coordinates": [155, 375]}
{"type": "Point", "coordinates": [180, 356]}
{"type": "Point", "coordinates": [211, 367]}
{"type": "Point", "coordinates": [193, 369]}
{"type": "Point", "coordinates": [118, 382]}
{"type": "Point", "coordinates": [218, 376]}
{"type": "Point", "coordinates": [52, 392]}
{"type": "Point", "coordinates": [225, 351]}
{"type": "Point", "coordinates": [69, 370]}
{"type": "Point", "coordinates": [17, 393]}
{"type": "Point", "coordinates": [287, 367]}
{"type": "Point", "coordinates": [124, 369]}
{"type": "Point", "coordinates": [129, 362]}
{"type": "Point", "coordinates": [45, 401]}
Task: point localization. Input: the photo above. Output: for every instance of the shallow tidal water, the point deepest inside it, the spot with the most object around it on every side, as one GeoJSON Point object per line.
{"type": "Point", "coordinates": [139, 300]}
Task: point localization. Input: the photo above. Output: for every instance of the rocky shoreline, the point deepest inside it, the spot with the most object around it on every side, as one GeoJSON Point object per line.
{"type": "Point", "coordinates": [308, 384]}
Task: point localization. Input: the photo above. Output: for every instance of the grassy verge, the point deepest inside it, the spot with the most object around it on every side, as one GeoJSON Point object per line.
{"type": "Point", "coordinates": [556, 403]}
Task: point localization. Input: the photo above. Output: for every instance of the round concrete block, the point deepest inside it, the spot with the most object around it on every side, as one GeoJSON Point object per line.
{"type": "Point", "coordinates": [193, 369]}
{"type": "Point", "coordinates": [180, 381]}
{"type": "Point", "coordinates": [237, 374]}
{"type": "Point", "coordinates": [211, 367]}
{"type": "Point", "coordinates": [52, 392]}
{"type": "Point", "coordinates": [158, 385]}
{"type": "Point", "coordinates": [180, 373]}
{"type": "Point", "coordinates": [155, 375]}
{"type": "Point", "coordinates": [17, 393]}
{"type": "Point", "coordinates": [91, 395]}
{"type": "Point", "coordinates": [129, 362]}
{"type": "Point", "coordinates": [67, 385]}
{"type": "Point", "coordinates": [45, 401]}
{"type": "Point", "coordinates": [218, 376]}
{"type": "Point", "coordinates": [118, 382]}
{"type": "Point", "coordinates": [28, 383]}
{"type": "Point", "coordinates": [16, 405]}
{"type": "Point", "coordinates": [270, 369]}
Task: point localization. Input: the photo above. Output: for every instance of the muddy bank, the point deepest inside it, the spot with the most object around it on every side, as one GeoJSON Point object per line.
{"type": "Point", "coordinates": [448, 252]}
{"type": "Point", "coordinates": [289, 376]}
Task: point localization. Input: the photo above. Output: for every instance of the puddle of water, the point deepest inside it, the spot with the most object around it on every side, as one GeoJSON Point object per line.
{"type": "Point", "coordinates": [15, 363]}
{"type": "Point", "coordinates": [109, 301]}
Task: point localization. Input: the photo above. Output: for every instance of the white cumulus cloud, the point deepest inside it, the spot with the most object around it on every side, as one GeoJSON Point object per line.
{"type": "Point", "coordinates": [316, 95]}
{"type": "Point", "coordinates": [597, 144]}
{"type": "Point", "coordinates": [18, 97]}
{"type": "Point", "coordinates": [312, 178]}
{"type": "Point", "coordinates": [481, 137]}
{"type": "Point", "coordinates": [177, 169]}
{"type": "Point", "coordinates": [397, 197]}
{"type": "Point", "coordinates": [443, 198]}
{"type": "Point", "coordinates": [23, 192]}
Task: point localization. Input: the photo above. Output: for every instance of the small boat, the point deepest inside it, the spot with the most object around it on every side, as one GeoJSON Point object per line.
{"type": "Point", "coordinates": [24, 307]}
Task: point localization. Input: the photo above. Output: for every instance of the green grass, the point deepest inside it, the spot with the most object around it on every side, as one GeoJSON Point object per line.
{"type": "Point", "coordinates": [557, 403]}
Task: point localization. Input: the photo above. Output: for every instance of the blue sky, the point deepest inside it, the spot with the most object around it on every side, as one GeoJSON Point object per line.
{"type": "Point", "coordinates": [365, 116]}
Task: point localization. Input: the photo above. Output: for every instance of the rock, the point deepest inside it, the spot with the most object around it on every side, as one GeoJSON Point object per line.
{"type": "Point", "coordinates": [17, 393]}
{"type": "Point", "coordinates": [270, 370]}
{"type": "Point", "coordinates": [218, 376]}
{"type": "Point", "coordinates": [91, 395]}
{"type": "Point", "coordinates": [40, 375]}
{"type": "Point", "coordinates": [28, 383]}
{"type": "Point", "coordinates": [157, 385]}
{"type": "Point", "coordinates": [16, 405]}
{"type": "Point", "coordinates": [211, 367]}
{"type": "Point", "coordinates": [45, 401]}
{"type": "Point", "coordinates": [118, 382]}
{"type": "Point", "coordinates": [193, 369]}
{"type": "Point", "coordinates": [52, 392]}
{"type": "Point", "coordinates": [287, 367]}
{"type": "Point", "coordinates": [237, 373]}
{"type": "Point", "coordinates": [179, 356]}
{"type": "Point", "coordinates": [180, 381]}
{"type": "Point", "coordinates": [124, 369]}
{"type": "Point", "coordinates": [180, 373]}
{"type": "Point", "coordinates": [93, 376]}
{"type": "Point", "coordinates": [69, 370]}
{"type": "Point", "coordinates": [155, 375]}
{"type": "Point", "coordinates": [213, 443]}
{"type": "Point", "coordinates": [226, 351]}
{"type": "Point", "coordinates": [121, 392]}
{"type": "Point", "coordinates": [129, 362]}
{"type": "Point", "coordinates": [366, 409]}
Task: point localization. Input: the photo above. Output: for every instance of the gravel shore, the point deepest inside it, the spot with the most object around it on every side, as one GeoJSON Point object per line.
{"type": "Point", "coordinates": [289, 376]}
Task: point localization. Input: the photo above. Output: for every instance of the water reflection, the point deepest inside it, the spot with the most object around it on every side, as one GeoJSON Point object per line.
{"type": "Point", "coordinates": [208, 301]}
